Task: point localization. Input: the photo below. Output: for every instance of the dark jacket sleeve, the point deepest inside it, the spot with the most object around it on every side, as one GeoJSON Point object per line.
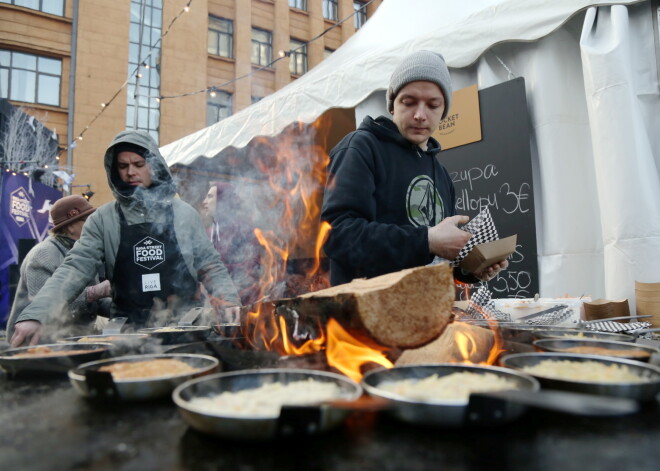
{"type": "Point", "coordinates": [357, 241]}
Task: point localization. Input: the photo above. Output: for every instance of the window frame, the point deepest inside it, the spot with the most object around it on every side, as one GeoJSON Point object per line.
{"type": "Point", "coordinates": [214, 103]}
{"type": "Point", "coordinates": [298, 54]}
{"type": "Point", "coordinates": [143, 92]}
{"type": "Point", "coordinates": [228, 36]}
{"type": "Point", "coordinates": [298, 4]}
{"type": "Point", "coordinates": [261, 46]}
{"type": "Point", "coordinates": [360, 16]}
{"type": "Point", "coordinates": [40, 7]}
{"type": "Point", "coordinates": [331, 10]}
{"type": "Point", "coordinates": [13, 73]}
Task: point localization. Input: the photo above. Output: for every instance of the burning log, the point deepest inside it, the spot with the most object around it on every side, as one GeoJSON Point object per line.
{"type": "Point", "coordinates": [403, 309]}
{"type": "Point", "coordinates": [460, 342]}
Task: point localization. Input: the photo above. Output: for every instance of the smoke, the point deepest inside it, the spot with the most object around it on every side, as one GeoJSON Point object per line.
{"type": "Point", "coordinates": [271, 210]}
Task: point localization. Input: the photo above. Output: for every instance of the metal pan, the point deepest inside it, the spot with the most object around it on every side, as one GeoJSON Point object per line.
{"type": "Point", "coordinates": [581, 334]}
{"type": "Point", "coordinates": [484, 408]}
{"type": "Point", "coordinates": [92, 383]}
{"type": "Point", "coordinates": [519, 332]}
{"type": "Point", "coordinates": [63, 357]}
{"type": "Point", "coordinates": [122, 344]}
{"type": "Point", "coordinates": [177, 334]}
{"type": "Point", "coordinates": [235, 355]}
{"type": "Point", "coordinates": [628, 350]}
{"type": "Point", "coordinates": [643, 391]}
{"type": "Point", "coordinates": [313, 420]}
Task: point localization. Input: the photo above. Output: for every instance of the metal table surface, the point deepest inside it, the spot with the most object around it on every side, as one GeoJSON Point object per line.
{"type": "Point", "coordinates": [46, 425]}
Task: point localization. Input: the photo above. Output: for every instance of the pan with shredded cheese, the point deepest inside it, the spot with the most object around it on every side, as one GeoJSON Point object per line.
{"type": "Point", "coordinates": [148, 369]}
{"type": "Point", "coordinates": [267, 400]}
{"type": "Point", "coordinates": [454, 386]}
{"type": "Point", "coordinates": [584, 371]}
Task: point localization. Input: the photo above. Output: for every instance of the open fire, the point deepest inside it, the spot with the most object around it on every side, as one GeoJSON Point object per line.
{"type": "Point", "coordinates": [295, 170]}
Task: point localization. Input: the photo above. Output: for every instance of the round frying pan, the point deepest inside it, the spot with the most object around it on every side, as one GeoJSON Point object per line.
{"type": "Point", "coordinates": [629, 350]}
{"type": "Point", "coordinates": [291, 421]}
{"type": "Point", "coordinates": [640, 391]}
{"type": "Point", "coordinates": [51, 358]}
{"type": "Point", "coordinates": [122, 344]}
{"type": "Point", "coordinates": [92, 383]}
{"type": "Point", "coordinates": [484, 408]}
{"type": "Point", "coordinates": [177, 334]}
{"type": "Point", "coordinates": [581, 334]}
{"type": "Point", "coordinates": [233, 354]}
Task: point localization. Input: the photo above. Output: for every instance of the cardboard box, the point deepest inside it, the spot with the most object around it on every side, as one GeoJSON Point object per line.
{"type": "Point", "coordinates": [484, 255]}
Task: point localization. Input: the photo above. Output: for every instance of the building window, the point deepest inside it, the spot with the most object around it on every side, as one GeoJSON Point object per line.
{"type": "Point", "coordinates": [330, 10]}
{"type": "Point", "coordinates": [327, 52]}
{"type": "Point", "coordinates": [299, 4]}
{"type": "Point", "coordinates": [218, 106]}
{"type": "Point", "coordinates": [54, 7]}
{"type": "Point", "coordinates": [298, 57]}
{"type": "Point", "coordinates": [221, 37]}
{"type": "Point", "coordinates": [30, 78]}
{"type": "Point", "coordinates": [143, 90]}
{"type": "Point", "coordinates": [256, 99]}
{"type": "Point", "coordinates": [262, 47]}
{"type": "Point", "coordinates": [360, 17]}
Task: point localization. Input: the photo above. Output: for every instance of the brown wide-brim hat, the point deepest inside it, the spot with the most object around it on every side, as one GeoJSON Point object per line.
{"type": "Point", "coordinates": [69, 209]}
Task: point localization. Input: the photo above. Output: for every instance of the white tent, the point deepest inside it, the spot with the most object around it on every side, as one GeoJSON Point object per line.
{"type": "Point", "coordinates": [593, 96]}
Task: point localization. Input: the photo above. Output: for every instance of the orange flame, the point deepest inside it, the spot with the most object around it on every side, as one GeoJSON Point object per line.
{"type": "Point", "coordinates": [294, 165]}
{"type": "Point", "coordinates": [322, 236]}
{"type": "Point", "coordinates": [471, 348]}
{"type": "Point", "coordinates": [348, 354]}
{"type": "Point", "coordinates": [466, 346]}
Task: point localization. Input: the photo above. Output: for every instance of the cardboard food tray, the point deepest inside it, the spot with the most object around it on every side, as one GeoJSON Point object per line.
{"type": "Point", "coordinates": [484, 255]}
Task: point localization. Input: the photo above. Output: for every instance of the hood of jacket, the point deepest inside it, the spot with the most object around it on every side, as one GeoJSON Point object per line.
{"type": "Point", "coordinates": [386, 129]}
{"type": "Point", "coordinates": [162, 188]}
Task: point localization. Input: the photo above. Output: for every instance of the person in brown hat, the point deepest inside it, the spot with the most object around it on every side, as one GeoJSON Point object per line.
{"type": "Point", "coordinates": [151, 245]}
{"type": "Point", "coordinates": [68, 215]}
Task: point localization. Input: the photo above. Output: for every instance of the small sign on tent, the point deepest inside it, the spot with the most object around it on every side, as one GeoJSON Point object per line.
{"type": "Point", "coordinates": [463, 123]}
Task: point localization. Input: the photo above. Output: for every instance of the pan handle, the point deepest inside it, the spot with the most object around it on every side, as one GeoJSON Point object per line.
{"type": "Point", "coordinates": [487, 407]}
{"type": "Point", "coordinates": [114, 325]}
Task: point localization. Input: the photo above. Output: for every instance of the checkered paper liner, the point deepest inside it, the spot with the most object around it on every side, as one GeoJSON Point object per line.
{"type": "Point", "coordinates": [482, 229]}
{"type": "Point", "coordinates": [612, 326]}
{"type": "Point", "coordinates": [481, 306]}
{"type": "Point", "coordinates": [551, 318]}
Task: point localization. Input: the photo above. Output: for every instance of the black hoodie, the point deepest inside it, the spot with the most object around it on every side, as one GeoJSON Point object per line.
{"type": "Point", "coordinates": [383, 192]}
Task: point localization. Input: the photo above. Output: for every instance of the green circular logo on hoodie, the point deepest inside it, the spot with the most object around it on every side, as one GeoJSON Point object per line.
{"type": "Point", "coordinates": [423, 202]}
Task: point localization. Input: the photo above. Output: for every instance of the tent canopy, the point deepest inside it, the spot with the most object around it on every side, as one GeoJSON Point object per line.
{"type": "Point", "coordinates": [593, 98]}
{"type": "Point", "coordinates": [461, 31]}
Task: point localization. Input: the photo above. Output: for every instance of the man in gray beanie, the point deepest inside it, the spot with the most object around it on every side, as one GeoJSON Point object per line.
{"type": "Point", "coordinates": [389, 200]}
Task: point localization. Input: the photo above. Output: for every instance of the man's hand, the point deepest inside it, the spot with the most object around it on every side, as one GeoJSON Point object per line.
{"type": "Point", "coordinates": [24, 331]}
{"type": "Point", "coordinates": [98, 291]}
{"type": "Point", "coordinates": [446, 239]}
{"type": "Point", "coordinates": [491, 272]}
{"type": "Point", "coordinates": [225, 312]}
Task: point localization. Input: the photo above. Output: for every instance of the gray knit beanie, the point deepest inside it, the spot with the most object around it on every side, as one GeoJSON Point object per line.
{"type": "Point", "coordinates": [421, 65]}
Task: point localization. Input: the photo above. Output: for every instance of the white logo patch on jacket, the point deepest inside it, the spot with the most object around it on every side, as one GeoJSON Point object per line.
{"type": "Point", "coordinates": [149, 253]}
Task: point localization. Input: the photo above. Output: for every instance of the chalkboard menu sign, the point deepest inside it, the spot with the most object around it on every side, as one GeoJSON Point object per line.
{"type": "Point", "coordinates": [496, 172]}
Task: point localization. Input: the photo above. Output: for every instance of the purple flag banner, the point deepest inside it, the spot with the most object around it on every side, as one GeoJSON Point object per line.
{"type": "Point", "coordinates": [24, 214]}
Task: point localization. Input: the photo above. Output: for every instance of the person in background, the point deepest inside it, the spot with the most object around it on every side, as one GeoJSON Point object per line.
{"type": "Point", "coordinates": [68, 215]}
{"type": "Point", "coordinates": [152, 244]}
{"type": "Point", "coordinates": [389, 200]}
{"type": "Point", "coordinates": [232, 233]}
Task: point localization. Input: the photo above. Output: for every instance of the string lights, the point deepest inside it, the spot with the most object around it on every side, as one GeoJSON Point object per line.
{"type": "Point", "coordinates": [135, 72]}
{"type": "Point", "coordinates": [283, 54]}
{"type": "Point", "coordinates": [212, 90]}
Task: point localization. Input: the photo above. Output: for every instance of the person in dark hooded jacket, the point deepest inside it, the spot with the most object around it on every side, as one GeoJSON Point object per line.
{"type": "Point", "coordinates": [152, 243]}
{"type": "Point", "coordinates": [388, 199]}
